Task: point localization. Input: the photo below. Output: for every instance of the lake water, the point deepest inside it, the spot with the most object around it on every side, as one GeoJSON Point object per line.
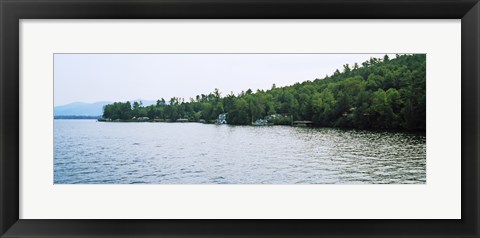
{"type": "Point", "coordinates": [91, 152]}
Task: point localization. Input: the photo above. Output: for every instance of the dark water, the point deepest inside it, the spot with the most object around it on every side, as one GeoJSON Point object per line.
{"type": "Point", "coordinates": [90, 152]}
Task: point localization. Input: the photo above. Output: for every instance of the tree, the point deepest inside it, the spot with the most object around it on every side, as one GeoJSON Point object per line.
{"type": "Point", "coordinates": [346, 69]}
{"type": "Point", "coordinates": [217, 110]}
{"type": "Point", "coordinates": [386, 58]}
{"type": "Point", "coordinates": [239, 115]}
{"type": "Point", "coordinates": [207, 110]}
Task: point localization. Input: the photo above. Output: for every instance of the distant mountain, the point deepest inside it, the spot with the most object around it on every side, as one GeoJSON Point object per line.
{"type": "Point", "coordinates": [80, 109]}
{"type": "Point", "coordinates": [88, 109]}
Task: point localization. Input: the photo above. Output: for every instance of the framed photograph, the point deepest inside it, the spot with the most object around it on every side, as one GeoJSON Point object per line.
{"type": "Point", "coordinates": [239, 119]}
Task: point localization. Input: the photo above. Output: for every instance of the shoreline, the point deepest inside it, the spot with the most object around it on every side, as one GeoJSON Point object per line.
{"type": "Point", "coordinates": [307, 127]}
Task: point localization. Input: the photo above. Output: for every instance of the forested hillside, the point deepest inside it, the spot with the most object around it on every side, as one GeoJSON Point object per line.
{"type": "Point", "coordinates": [378, 94]}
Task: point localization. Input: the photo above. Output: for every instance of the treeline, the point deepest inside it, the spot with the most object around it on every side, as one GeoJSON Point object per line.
{"type": "Point", "coordinates": [381, 93]}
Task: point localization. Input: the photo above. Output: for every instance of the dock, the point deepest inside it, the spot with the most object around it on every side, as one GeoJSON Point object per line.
{"type": "Point", "coordinates": [302, 123]}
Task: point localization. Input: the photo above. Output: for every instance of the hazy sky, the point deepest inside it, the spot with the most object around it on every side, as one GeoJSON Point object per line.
{"type": "Point", "coordinates": [121, 77]}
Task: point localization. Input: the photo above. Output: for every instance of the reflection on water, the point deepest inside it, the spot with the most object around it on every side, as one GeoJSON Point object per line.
{"type": "Point", "coordinates": [90, 152]}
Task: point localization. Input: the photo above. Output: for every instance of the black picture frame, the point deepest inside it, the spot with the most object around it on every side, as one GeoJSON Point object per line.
{"type": "Point", "coordinates": [11, 11]}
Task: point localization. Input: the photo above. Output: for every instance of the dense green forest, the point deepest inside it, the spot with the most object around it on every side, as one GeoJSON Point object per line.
{"type": "Point", "coordinates": [381, 93]}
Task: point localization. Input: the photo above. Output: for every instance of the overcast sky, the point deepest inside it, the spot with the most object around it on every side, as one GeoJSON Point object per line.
{"type": "Point", "coordinates": [121, 77]}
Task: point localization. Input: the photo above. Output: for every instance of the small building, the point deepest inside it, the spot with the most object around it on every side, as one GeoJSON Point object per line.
{"type": "Point", "coordinates": [260, 122]}
{"type": "Point", "coordinates": [222, 119]}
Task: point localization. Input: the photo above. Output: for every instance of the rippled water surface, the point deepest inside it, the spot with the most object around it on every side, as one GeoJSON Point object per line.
{"type": "Point", "coordinates": [88, 152]}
